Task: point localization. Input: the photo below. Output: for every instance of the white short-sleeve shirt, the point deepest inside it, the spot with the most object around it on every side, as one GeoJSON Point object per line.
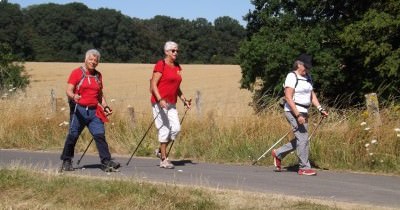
{"type": "Point", "coordinates": [302, 91]}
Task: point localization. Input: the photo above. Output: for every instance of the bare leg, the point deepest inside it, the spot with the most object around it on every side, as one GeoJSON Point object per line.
{"type": "Point", "coordinates": [163, 149]}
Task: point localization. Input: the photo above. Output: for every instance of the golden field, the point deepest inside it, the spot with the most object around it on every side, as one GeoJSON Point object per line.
{"type": "Point", "coordinates": [128, 85]}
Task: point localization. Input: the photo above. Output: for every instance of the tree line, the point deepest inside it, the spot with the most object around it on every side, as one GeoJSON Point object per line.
{"type": "Point", "coordinates": [355, 46]}
{"type": "Point", "coordinates": [62, 33]}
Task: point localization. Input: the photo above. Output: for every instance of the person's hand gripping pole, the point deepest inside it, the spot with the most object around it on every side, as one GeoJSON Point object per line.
{"type": "Point", "coordinates": [187, 103]}
{"type": "Point", "coordinates": [108, 111]}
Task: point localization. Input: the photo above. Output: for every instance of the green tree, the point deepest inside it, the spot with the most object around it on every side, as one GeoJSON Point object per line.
{"type": "Point", "coordinates": [229, 34]}
{"type": "Point", "coordinates": [278, 31]}
{"type": "Point", "coordinates": [375, 39]}
{"type": "Point", "coordinates": [12, 73]}
{"type": "Point", "coordinates": [54, 32]}
{"type": "Point", "coordinates": [12, 30]}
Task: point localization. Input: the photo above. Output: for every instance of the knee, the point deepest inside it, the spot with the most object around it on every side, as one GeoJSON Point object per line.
{"type": "Point", "coordinates": [302, 143]}
{"type": "Point", "coordinates": [72, 137]}
{"type": "Point", "coordinates": [99, 137]}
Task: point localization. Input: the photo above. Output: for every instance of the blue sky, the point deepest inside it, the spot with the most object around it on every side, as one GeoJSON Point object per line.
{"type": "Point", "coordinates": [146, 9]}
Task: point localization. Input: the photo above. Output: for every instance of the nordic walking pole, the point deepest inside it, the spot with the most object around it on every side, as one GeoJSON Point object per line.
{"type": "Point", "coordinates": [77, 163]}
{"type": "Point", "coordinates": [172, 144]}
{"type": "Point", "coordinates": [263, 155]}
{"type": "Point", "coordinates": [312, 133]}
{"type": "Point", "coordinates": [151, 124]}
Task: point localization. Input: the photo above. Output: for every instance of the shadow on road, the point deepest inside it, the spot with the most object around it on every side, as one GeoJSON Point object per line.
{"type": "Point", "coordinates": [182, 162]}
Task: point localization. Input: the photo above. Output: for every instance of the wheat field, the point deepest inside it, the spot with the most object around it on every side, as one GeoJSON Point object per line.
{"type": "Point", "coordinates": [216, 86]}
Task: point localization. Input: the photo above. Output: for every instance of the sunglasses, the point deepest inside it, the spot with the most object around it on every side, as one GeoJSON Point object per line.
{"type": "Point", "coordinates": [175, 51]}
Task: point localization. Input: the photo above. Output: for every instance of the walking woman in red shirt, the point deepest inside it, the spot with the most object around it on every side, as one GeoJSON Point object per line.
{"type": "Point", "coordinates": [165, 89]}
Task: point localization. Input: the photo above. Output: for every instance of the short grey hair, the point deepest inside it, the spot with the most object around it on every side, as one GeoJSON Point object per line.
{"type": "Point", "coordinates": [296, 64]}
{"type": "Point", "coordinates": [92, 52]}
{"type": "Point", "coordinates": [170, 45]}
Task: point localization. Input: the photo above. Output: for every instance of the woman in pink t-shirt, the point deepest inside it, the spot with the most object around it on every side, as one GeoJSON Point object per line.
{"type": "Point", "coordinates": [165, 90]}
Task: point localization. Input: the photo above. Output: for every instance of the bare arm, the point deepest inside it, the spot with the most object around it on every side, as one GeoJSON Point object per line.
{"type": "Point", "coordinates": [186, 102]}
{"type": "Point", "coordinates": [154, 89]}
{"type": "Point", "coordinates": [315, 102]}
{"type": "Point", "coordinates": [70, 93]}
{"type": "Point", "coordinates": [104, 104]}
{"type": "Point", "coordinates": [289, 92]}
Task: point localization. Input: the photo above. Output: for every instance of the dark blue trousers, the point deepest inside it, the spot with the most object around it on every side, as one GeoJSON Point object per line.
{"type": "Point", "coordinates": [82, 117]}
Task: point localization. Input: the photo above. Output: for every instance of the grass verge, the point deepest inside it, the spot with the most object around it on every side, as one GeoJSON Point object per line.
{"type": "Point", "coordinates": [22, 188]}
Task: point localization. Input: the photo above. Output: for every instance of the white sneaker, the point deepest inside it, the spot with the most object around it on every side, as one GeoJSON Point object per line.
{"type": "Point", "coordinates": [157, 152]}
{"type": "Point", "coordinates": [166, 164]}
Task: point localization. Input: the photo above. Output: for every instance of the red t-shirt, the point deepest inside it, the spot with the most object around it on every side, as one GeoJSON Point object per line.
{"type": "Point", "coordinates": [89, 90]}
{"type": "Point", "coordinates": [169, 82]}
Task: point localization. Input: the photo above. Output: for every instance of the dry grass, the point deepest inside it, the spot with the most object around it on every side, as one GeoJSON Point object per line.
{"type": "Point", "coordinates": [27, 188]}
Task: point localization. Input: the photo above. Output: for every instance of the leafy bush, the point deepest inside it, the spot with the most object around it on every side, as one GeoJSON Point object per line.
{"type": "Point", "coordinates": [13, 75]}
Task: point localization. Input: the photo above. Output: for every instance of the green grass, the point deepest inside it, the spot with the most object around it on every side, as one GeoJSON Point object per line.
{"type": "Point", "coordinates": [29, 189]}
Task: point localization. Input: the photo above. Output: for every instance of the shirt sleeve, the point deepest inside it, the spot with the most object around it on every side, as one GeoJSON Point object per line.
{"type": "Point", "coordinates": [290, 80]}
{"type": "Point", "coordinates": [75, 77]}
{"type": "Point", "coordinates": [159, 67]}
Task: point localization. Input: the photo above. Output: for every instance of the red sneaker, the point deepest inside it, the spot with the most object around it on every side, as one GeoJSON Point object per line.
{"type": "Point", "coordinates": [277, 161]}
{"type": "Point", "coordinates": [307, 172]}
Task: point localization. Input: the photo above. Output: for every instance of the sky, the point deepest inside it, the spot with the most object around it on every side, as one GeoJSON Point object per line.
{"type": "Point", "coordinates": [147, 9]}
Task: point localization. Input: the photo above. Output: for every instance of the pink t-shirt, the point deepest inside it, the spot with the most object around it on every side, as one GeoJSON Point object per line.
{"type": "Point", "coordinates": [169, 82]}
{"type": "Point", "coordinates": [89, 90]}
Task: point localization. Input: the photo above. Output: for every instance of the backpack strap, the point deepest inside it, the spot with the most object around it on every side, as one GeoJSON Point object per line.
{"type": "Point", "coordinates": [78, 86]}
{"type": "Point", "coordinates": [308, 79]}
{"type": "Point", "coordinates": [96, 76]}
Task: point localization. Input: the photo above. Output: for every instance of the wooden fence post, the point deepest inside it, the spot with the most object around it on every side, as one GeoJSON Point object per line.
{"type": "Point", "coordinates": [373, 108]}
{"type": "Point", "coordinates": [53, 100]}
{"type": "Point", "coordinates": [131, 113]}
{"type": "Point", "coordinates": [198, 102]}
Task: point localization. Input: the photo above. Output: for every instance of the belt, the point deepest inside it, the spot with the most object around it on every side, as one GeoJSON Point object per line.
{"type": "Point", "coordinates": [302, 105]}
{"type": "Point", "coordinates": [88, 107]}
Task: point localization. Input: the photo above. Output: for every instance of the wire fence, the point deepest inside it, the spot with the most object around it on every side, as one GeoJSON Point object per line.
{"type": "Point", "coordinates": [141, 105]}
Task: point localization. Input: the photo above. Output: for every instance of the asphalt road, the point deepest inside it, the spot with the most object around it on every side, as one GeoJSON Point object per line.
{"type": "Point", "coordinates": [366, 189]}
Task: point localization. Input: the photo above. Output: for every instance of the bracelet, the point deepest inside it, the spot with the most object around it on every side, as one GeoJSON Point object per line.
{"type": "Point", "coordinates": [107, 107]}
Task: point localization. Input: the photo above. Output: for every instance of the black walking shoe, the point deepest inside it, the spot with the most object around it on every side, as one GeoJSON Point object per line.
{"type": "Point", "coordinates": [110, 166]}
{"type": "Point", "coordinates": [67, 165]}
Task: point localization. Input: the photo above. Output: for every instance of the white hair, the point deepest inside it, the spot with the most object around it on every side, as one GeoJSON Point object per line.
{"type": "Point", "coordinates": [93, 52]}
{"type": "Point", "coordinates": [170, 45]}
